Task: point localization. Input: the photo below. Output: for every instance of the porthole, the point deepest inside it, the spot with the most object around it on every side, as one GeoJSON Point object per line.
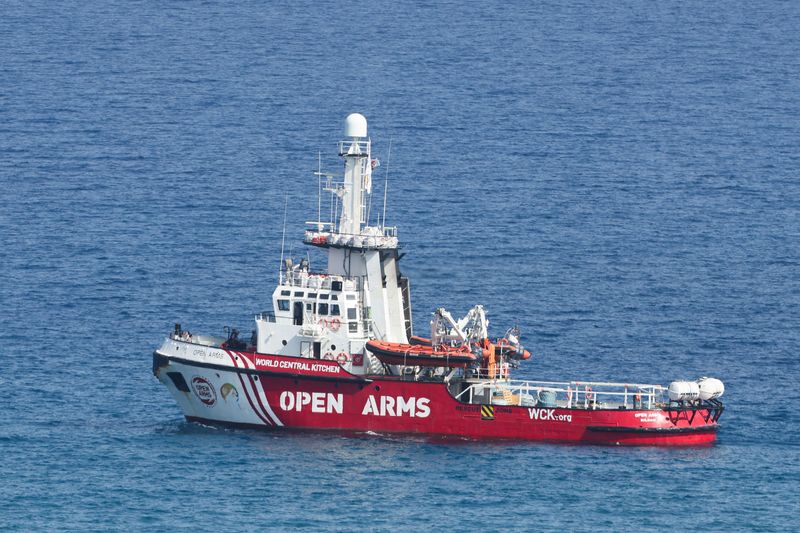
{"type": "Point", "coordinates": [283, 342]}
{"type": "Point", "coordinates": [333, 347]}
{"type": "Point", "coordinates": [377, 388]}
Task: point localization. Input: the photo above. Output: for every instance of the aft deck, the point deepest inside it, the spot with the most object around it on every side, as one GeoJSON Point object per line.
{"type": "Point", "coordinates": [560, 394]}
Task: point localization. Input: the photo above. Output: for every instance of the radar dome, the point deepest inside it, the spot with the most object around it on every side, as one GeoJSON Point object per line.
{"type": "Point", "coordinates": [355, 125]}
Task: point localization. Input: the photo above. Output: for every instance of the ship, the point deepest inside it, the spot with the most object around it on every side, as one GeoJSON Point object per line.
{"type": "Point", "coordinates": [337, 353]}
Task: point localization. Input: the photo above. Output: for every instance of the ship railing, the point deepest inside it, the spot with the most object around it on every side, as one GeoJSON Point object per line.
{"type": "Point", "coordinates": [385, 238]}
{"type": "Point", "coordinates": [267, 316]}
{"type": "Point", "coordinates": [327, 228]}
{"type": "Point", "coordinates": [501, 371]}
{"type": "Point", "coordinates": [321, 226]}
{"type": "Point", "coordinates": [564, 394]}
{"type": "Point", "coordinates": [363, 147]}
{"type": "Point", "coordinates": [320, 280]}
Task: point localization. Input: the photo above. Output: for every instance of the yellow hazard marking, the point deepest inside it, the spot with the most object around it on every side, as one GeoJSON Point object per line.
{"type": "Point", "coordinates": [487, 412]}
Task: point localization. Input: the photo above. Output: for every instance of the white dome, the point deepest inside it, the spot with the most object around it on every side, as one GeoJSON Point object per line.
{"type": "Point", "coordinates": [683, 390]}
{"type": "Point", "coordinates": [710, 388]}
{"type": "Point", "coordinates": [355, 125]}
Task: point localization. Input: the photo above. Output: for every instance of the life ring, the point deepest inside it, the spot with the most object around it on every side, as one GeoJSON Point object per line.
{"type": "Point", "coordinates": [333, 324]}
{"type": "Point", "coordinates": [322, 322]}
{"type": "Point", "coordinates": [342, 358]}
{"type": "Point", "coordinates": [328, 356]}
{"type": "Point", "coordinates": [588, 393]}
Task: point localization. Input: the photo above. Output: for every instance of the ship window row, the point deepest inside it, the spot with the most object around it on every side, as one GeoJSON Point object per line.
{"type": "Point", "coordinates": [321, 309]}
{"type": "Point", "coordinates": [313, 295]}
{"type": "Point", "coordinates": [324, 309]}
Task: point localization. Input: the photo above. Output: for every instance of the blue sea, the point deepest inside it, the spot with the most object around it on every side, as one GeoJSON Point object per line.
{"type": "Point", "coordinates": [621, 179]}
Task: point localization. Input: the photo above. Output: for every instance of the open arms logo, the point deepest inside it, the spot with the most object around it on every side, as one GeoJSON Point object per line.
{"type": "Point", "coordinates": [204, 390]}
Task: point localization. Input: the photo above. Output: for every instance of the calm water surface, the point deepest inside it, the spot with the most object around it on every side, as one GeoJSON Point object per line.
{"type": "Point", "coordinates": [622, 181]}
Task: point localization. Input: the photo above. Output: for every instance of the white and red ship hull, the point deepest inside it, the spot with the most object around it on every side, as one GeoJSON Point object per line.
{"type": "Point", "coordinates": [337, 352]}
{"type": "Point", "coordinates": [241, 389]}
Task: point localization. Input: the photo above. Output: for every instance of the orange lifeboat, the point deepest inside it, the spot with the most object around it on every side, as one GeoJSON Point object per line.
{"type": "Point", "coordinates": [395, 353]}
{"type": "Point", "coordinates": [504, 347]}
{"type": "Point", "coordinates": [507, 348]}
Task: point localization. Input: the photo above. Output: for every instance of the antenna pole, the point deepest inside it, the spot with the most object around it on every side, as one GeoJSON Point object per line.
{"type": "Point", "coordinates": [283, 238]}
{"type": "Point", "coordinates": [319, 191]}
{"type": "Point", "coordinates": [386, 182]}
{"type": "Point", "coordinates": [369, 206]}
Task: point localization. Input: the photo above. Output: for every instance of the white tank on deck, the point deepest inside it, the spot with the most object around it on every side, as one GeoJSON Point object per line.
{"type": "Point", "coordinates": [684, 390]}
{"type": "Point", "coordinates": [710, 388]}
{"type": "Point", "coordinates": [355, 125]}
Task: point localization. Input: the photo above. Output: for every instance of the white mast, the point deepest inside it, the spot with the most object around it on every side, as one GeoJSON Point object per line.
{"type": "Point", "coordinates": [357, 173]}
{"type": "Point", "coordinates": [283, 236]}
{"type": "Point", "coordinates": [366, 256]}
{"type": "Point", "coordinates": [386, 184]}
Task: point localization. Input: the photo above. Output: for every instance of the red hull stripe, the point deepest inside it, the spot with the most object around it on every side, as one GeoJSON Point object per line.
{"type": "Point", "coordinates": [653, 440]}
{"type": "Point", "coordinates": [666, 431]}
{"type": "Point", "coordinates": [247, 394]}
{"type": "Point", "coordinates": [260, 394]}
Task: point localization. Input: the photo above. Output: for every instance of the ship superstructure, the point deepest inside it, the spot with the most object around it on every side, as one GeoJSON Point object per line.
{"type": "Point", "coordinates": [361, 295]}
{"type": "Point", "coordinates": [337, 352]}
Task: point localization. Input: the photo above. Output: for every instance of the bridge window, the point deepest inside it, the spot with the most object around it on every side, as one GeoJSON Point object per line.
{"type": "Point", "coordinates": [283, 305]}
{"type": "Point", "coordinates": [299, 293]}
{"type": "Point", "coordinates": [323, 309]}
{"type": "Point", "coordinates": [335, 309]}
{"type": "Point", "coordinates": [323, 296]}
{"type": "Point", "coordinates": [351, 313]}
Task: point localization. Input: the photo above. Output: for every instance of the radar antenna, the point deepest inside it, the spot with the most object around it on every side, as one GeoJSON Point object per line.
{"type": "Point", "coordinates": [283, 237]}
